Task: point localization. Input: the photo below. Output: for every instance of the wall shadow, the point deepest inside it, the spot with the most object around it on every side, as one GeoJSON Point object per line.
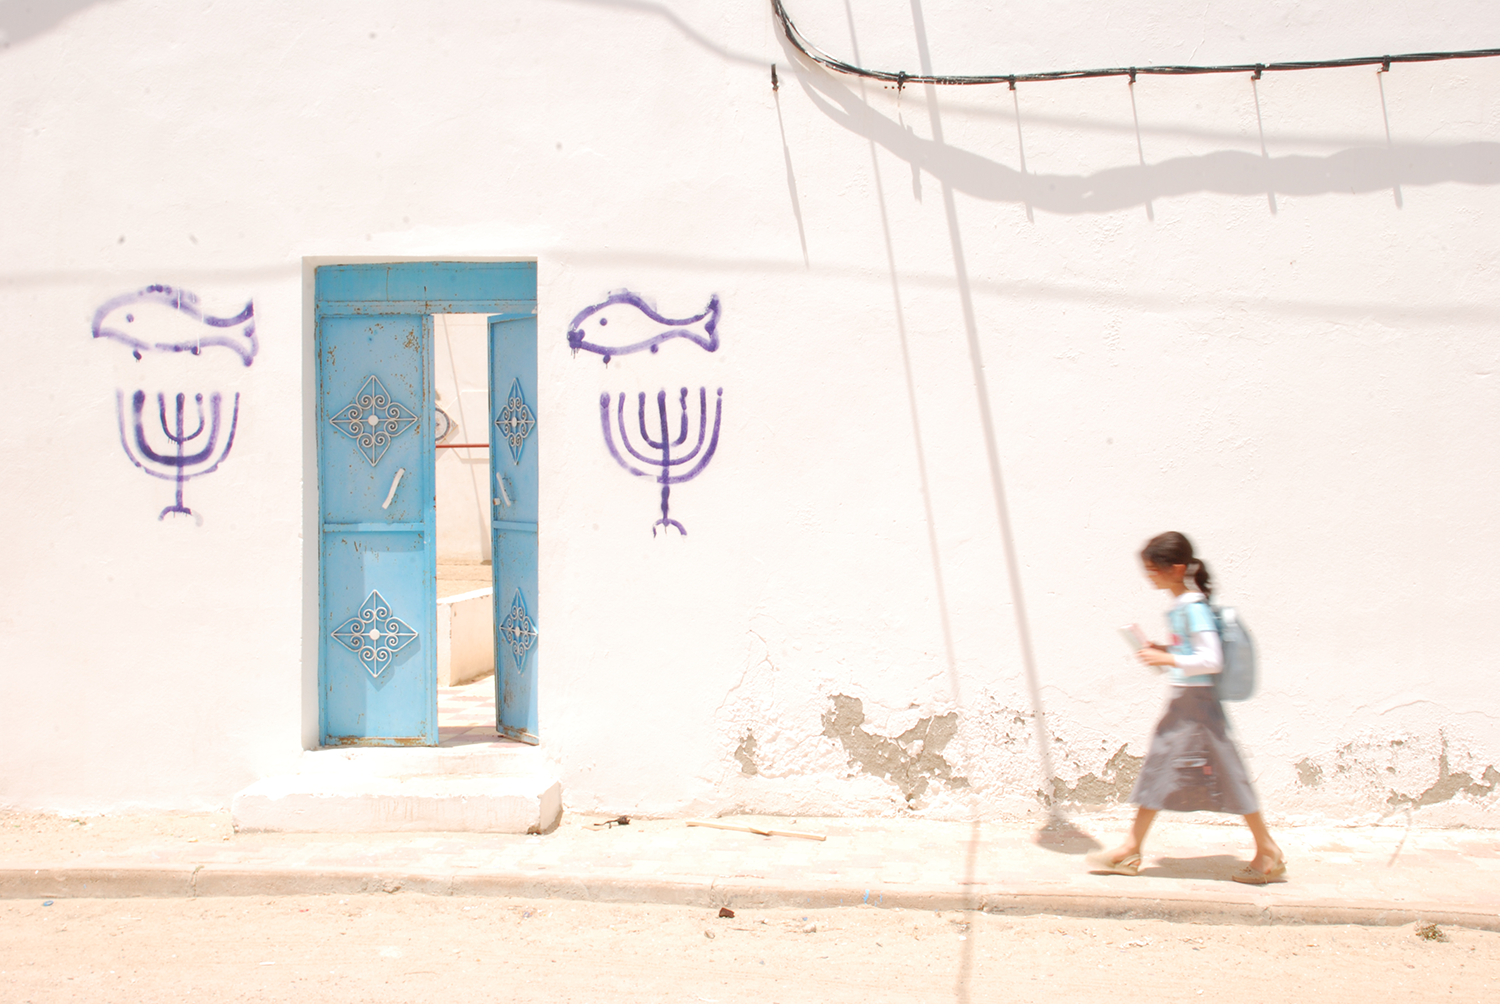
{"type": "Point", "coordinates": [971, 850]}
{"type": "Point", "coordinates": [692, 34]}
{"type": "Point", "coordinates": [791, 179]}
{"type": "Point", "coordinates": [1355, 170]}
{"type": "Point", "coordinates": [21, 22]}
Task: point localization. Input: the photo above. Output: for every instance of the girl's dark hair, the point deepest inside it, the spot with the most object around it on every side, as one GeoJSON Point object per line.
{"type": "Point", "coordinates": [1172, 548]}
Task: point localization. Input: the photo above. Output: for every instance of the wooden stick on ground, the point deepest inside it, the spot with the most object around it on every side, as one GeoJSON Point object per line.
{"type": "Point", "coordinates": [741, 828]}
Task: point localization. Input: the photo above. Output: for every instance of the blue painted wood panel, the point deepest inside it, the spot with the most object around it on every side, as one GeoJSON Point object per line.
{"type": "Point", "coordinates": [514, 432]}
{"type": "Point", "coordinates": [378, 622]}
{"type": "Point", "coordinates": [442, 284]}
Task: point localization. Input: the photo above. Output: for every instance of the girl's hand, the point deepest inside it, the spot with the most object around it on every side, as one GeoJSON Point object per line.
{"type": "Point", "coordinates": [1155, 655]}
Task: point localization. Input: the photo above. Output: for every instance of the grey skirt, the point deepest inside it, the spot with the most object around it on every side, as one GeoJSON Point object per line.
{"type": "Point", "coordinates": [1192, 763]}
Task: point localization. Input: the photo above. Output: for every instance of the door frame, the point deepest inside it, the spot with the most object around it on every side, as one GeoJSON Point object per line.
{"type": "Point", "coordinates": [427, 285]}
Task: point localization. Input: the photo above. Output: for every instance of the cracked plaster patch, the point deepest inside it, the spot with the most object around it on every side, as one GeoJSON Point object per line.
{"type": "Point", "coordinates": [1113, 783]}
{"type": "Point", "coordinates": [746, 755]}
{"type": "Point", "coordinates": [768, 724]}
{"type": "Point", "coordinates": [910, 761]}
{"type": "Point", "coordinates": [1448, 784]}
{"type": "Point", "coordinates": [1390, 774]}
{"type": "Point", "coordinates": [1309, 774]}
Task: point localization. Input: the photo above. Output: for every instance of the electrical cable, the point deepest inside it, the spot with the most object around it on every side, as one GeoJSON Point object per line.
{"type": "Point", "coordinates": [901, 78]}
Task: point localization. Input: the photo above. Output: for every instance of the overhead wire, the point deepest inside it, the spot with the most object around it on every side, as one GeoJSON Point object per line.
{"type": "Point", "coordinates": [901, 78]}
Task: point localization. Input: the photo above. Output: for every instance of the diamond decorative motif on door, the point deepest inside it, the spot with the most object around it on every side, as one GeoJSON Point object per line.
{"type": "Point", "coordinates": [373, 419]}
{"type": "Point", "coordinates": [518, 630]}
{"type": "Point", "coordinates": [375, 634]}
{"type": "Point", "coordinates": [516, 421]}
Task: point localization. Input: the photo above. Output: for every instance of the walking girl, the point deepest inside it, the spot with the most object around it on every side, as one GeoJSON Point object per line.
{"type": "Point", "coordinates": [1192, 763]}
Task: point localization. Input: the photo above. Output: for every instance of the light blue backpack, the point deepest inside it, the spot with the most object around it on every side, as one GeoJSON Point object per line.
{"type": "Point", "coordinates": [1236, 681]}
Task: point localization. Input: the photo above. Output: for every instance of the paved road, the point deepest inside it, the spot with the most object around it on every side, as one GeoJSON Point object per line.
{"type": "Point", "coordinates": [418, 949]}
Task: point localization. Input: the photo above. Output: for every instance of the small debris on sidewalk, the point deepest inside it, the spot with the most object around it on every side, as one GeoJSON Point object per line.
{"type": "Point", "coordinates": [617, 821]}
{"type": "Point", "coordinates": [724, 911]}
{"type": "Point", "coordinates": [740, 828]}
{"type": "Point", "coordinates": [1430, 932]}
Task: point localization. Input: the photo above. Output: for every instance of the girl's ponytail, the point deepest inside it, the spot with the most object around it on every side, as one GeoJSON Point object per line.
{"type": "Point", "coordinates": [1199, 571]}
{"type": "Point", "coordinates": [1172, 548]}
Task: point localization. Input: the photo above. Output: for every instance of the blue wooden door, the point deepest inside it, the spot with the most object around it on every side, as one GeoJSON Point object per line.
{"type": "Point", "coordinates": [378, 557]}
{"type": "Point", "coordinates": [513, 467]}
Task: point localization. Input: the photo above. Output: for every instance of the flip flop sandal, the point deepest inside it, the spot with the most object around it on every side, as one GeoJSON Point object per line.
{"type": "Point", "coordinates": [1100, 864]}
{"type": "Point", "coordinates": [1250, 876]}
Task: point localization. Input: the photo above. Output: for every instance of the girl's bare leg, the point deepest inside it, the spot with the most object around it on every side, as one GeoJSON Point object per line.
{"type": "Point", "coordinates": [1267, 853]}
{"type": "Point", "coordinates": [1137, 837]}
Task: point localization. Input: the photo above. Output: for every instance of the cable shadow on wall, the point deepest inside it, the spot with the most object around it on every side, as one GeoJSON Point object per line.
{"type": "Point", "coordinates": [971, 849]}
{"type": "Point", "coordinates": [1058, 833]}
{"type": "Point", "coordinates": [791, 175]}
{"type": "Point", "coordinates": [1355, 170]}
{"type": "Point", "coordinates": [667, 14]}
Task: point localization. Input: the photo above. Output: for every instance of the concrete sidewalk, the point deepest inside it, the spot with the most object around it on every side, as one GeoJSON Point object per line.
{"type": "Point", "coordinates": [1358, 875]}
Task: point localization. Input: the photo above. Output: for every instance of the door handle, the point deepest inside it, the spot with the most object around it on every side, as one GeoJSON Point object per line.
{"type": "Point", "coordinates": [500, 480]}
{"type": "Point", "coordinates": [392, 493]}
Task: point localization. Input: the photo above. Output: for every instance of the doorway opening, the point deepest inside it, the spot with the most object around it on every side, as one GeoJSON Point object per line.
{"type": "Point", "coordinates": [464, 490]}
{"type": "Point", "coordinates": [412, 408]}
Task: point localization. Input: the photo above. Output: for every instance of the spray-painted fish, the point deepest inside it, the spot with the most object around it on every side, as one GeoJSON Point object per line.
{"type": "Point", "coordinates": [140, 319]}
{"type": "Point", "coordinates": [625, 323]}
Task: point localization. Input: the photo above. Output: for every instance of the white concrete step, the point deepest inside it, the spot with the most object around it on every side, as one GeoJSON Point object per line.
{"type": "Point", "coordinates": [501, 758]}
{"type": "Point", "coordinates": [485, 787]}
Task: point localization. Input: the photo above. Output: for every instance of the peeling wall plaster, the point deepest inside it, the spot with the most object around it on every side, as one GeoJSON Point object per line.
{"type": "Point", "coordinates": [745, 754]}
{"type": "Point", "coordinates": [951, 764]}
{"type": "Point", "coordinates": [1112, 784]}
{"type": "Point", "coordinates": [910, 761]}
{"type": "Point", "coordinates": [1449, 784]}
{"type": "Point", "coordinates": [1309, 774]}
{"type": "Point", "coordinates": [1401, 774]}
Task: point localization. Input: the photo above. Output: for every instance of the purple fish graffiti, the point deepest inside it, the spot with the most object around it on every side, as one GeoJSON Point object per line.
{"type": "Point", "coordinates": [130, 317]}
{"type": "Point", "coordinates": [625, 323]}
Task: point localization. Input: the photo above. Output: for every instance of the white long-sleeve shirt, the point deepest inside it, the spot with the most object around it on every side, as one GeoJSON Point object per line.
{"type": "Point", "coordinates": [1196, 667]}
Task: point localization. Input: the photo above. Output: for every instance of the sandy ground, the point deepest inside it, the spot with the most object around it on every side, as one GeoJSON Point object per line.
{"type": "Point", "coordinates": [414, 948]}
{"type": "Point", "coordinates": [22, 833]}
{"type": "Point", "coordinates": [409, 947]}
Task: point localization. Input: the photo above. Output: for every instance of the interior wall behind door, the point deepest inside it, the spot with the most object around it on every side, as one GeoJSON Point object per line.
{"type": "Point", "coordinates": [461, 380]}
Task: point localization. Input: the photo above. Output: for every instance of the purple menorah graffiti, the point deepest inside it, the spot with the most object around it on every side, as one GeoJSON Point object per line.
{"type": "Point", "coordinates": [664, 468]}
{"type": "Point", "coordinates": [174, 462]}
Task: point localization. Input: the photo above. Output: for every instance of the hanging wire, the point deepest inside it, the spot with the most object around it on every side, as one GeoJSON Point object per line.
{"type": "Point", "coordinates": [901, 78]}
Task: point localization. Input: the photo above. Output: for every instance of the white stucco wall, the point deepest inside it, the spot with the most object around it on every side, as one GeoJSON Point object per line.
{"type": "Point", "coordinates": [1264, 315]}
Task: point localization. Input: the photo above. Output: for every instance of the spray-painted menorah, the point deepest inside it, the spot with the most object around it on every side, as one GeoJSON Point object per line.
{"type": "Point", "coordinates": [173, 462]}
{"type": "Point", "coordinates": [170, 321]}
{"type": "Point", "coordinates": [665, 468]}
